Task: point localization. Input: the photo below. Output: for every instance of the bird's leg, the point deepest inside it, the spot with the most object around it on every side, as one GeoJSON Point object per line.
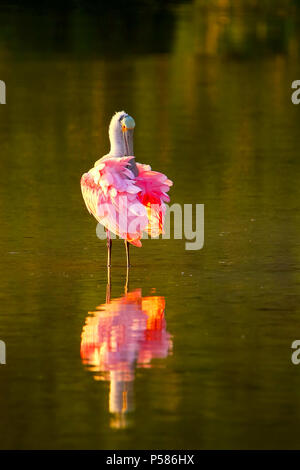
{"type": "Point", "coordinates": [127, 280]}
{"type": "Point", "coordinates": [108, 287]}
{"type": "Point", "coordinates": [127, 253]}
{"type": "Point", "coordinates": [109, 243]}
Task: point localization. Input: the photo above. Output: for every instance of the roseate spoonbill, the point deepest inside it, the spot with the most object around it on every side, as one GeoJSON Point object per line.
{"type": "Point", "coordinates": [120, 335]}
{"type": "Point", "coordinates": [127, 197]}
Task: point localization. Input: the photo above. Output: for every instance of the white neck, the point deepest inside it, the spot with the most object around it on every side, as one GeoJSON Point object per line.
{"type": "Point", "coordinates": [117, 145]}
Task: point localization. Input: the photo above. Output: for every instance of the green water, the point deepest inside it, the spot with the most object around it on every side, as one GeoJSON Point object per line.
{"type": "Point", "coordinates": [209, 85]}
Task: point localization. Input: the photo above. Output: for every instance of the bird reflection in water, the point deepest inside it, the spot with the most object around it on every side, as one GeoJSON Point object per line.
{"type": "Point", "coordinates": [120, 335]}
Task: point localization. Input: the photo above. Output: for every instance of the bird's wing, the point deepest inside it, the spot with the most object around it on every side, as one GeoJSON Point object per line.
{"type": "Point", "coordinates": [153, 195]}
{"type": "Point", "coordinates": [110, 193]}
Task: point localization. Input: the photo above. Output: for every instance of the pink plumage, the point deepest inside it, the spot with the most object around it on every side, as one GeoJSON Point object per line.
{"type": "Point", "coordinates": [125, 204]}
{"type": "Point", "coordinates": [124, 331]}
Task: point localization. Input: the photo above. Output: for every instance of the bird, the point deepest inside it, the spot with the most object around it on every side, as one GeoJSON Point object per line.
{"type": "Point", "coordinates": [121, 335]}
{"type": "Point", "coordinates": [128, 198]}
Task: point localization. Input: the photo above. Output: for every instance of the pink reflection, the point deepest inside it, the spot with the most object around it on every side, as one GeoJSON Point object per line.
{"type": "Point", "coordinates": [120, 335]}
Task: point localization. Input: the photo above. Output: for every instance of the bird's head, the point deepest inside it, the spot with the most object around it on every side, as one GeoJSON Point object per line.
{"type": "Point", "coordinates": [121, 134]}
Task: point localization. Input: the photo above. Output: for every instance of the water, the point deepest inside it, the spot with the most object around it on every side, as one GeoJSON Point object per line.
{"type": "Point", "coordinates": [209, 85]}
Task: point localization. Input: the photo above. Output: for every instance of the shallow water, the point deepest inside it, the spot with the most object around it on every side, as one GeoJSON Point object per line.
{"type": "Point", "coordinates": [209, 88]}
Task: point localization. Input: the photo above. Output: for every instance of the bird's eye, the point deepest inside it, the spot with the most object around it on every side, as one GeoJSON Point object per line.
{"type": "Point", "coordinates": [128, 122]}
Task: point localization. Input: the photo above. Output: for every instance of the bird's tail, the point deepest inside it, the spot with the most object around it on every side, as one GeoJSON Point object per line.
{"type": "Point", "coordinates": [153, 195]}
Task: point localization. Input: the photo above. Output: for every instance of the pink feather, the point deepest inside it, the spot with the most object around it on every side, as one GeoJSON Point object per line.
{"type": "Point", "coordinates": [125, 205]}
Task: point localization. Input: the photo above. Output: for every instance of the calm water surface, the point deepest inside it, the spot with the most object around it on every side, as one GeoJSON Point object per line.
{"type": "Point", "coordinates": [197, 353]}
